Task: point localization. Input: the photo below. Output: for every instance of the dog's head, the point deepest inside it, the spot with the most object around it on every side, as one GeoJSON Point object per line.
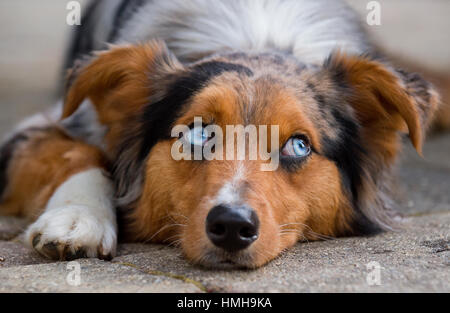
{"type": "Point", "coordinates": [338, 132]}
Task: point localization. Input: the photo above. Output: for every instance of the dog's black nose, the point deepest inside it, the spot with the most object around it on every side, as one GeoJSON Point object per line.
{"type": "Point", "coordinates": [232, 228]}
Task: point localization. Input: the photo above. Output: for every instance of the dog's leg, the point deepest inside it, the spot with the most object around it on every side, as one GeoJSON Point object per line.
{"type": "Point", "coordinates": [61, 185]}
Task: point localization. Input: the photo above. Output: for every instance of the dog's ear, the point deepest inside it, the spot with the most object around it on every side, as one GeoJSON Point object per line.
{"type": "Point", "coordinates": [118, 81]}
{"type": "Point", "coordinates": [385, 101]}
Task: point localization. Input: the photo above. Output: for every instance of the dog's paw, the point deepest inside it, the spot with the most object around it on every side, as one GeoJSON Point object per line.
{"type": "Point", "coordinates": [73, 232]}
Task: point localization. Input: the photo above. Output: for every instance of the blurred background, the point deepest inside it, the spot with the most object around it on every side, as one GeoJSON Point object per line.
{"type": "Point", "coordinates": [34, 37]}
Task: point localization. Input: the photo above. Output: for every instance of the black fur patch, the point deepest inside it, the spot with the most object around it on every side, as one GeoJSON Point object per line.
{"type": "Point", "coordinates": [6, 154]}
{"type": "Point", "coordinates": [348, 154]}
{"type": "Point", "coordinates": [348, 150]}
{"type": "Point", "coordinates": [159, 117]}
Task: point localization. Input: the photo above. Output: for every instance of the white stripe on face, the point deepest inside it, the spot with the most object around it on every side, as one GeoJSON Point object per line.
{"type": "Point", "coordinates": [231, 191]}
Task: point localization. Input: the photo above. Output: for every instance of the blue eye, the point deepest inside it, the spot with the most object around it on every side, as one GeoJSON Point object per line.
{"type": "Point", "coordinates": [198, 136]}
{"type": "Point", "coordinates": [296, 147]}
{"type": "Point", "coordinates": [300, 147]}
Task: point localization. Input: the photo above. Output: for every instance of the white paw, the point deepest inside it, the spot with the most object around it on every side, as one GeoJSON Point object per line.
{"type": "Point", "coordinates": [73, 232]}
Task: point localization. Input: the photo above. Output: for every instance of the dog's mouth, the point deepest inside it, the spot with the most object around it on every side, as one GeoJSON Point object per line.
{"type": "Point", "coordinates": [228, 264]}
{"type": "Point", "coordinates": [222, 260]}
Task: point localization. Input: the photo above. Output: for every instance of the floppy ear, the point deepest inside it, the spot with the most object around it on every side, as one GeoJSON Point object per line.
{"type": "Point", "coordinates": [386, 101]}
{"type": "Point", "coordinates": [118, 81]}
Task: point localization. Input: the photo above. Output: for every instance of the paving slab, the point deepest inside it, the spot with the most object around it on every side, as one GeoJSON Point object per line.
{"type": "Point", "coordinates": [414, 260]}
{"type": "Point", "coordinates": [13, 254]}
{"type": "Point", "coordinates": [95, 276]}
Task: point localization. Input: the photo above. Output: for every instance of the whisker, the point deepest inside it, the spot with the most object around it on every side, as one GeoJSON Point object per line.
{"type": "Point", "coordinates": [283, 225]}
{"type": "Point", "coordinates": [293, 231]}
{"type": "Point", "coordinates": [176, 243]}
{"type": "Point", "coordinates": [175, 236]}
{"type": "Point", "coordinates": [309, 230]}
{"type": "Point", "coordinates": [179, 214]}
{"type": "Point", "coordinates": [162, 229]}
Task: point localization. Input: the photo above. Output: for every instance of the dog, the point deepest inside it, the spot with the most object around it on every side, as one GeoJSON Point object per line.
{"type": "Point", "coordinates": [101, 165]}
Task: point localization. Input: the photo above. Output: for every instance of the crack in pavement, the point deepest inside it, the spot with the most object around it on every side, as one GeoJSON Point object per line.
{"type": "Point", "coordinates": [182, 278]}
{"type": "Point", "coordinates": [438, 246]}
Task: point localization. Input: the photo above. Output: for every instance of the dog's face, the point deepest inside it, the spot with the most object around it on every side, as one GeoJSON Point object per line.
{"type": "Point", "coordinates": [337, 136]}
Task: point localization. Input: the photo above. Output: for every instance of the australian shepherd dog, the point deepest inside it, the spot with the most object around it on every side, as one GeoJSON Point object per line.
{"type": "Point", "coordinates": [104, 165]}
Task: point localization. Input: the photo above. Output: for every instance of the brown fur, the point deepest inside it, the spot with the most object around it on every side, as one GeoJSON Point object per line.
{"type": "Point", "coordinates": [40, 165]}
